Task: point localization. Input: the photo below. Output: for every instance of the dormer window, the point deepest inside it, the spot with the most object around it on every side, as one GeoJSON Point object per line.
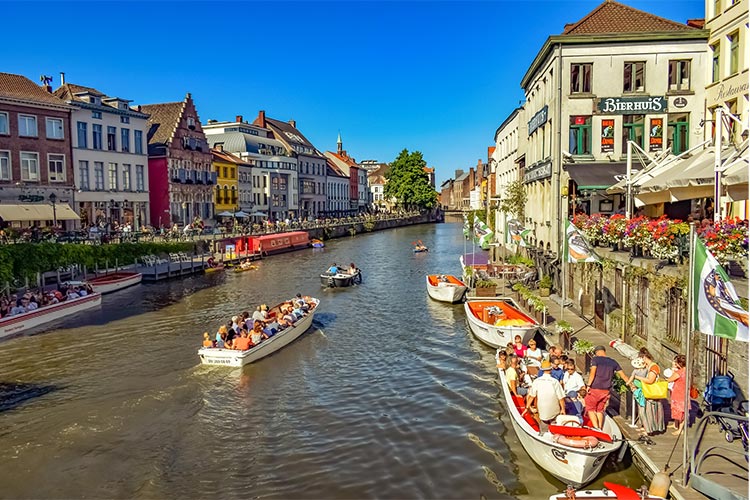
{"type": "Point", "coordinates": [122, 105]}
{"type": "Point", "coordinates": [94, 100]}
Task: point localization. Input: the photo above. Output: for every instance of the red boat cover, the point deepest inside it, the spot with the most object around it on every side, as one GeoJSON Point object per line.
{"type": "Point", "coordinates": [567, 430]}
{"type": "Point", "coordinates": [622, 492]}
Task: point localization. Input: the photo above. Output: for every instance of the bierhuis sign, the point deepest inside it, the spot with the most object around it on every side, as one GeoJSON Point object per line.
{"type": "Point", "coordinates": [633, 105]}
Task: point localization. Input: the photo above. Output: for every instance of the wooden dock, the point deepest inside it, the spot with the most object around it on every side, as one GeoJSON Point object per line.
{"type": "Point", "coordinates": [172, 268]}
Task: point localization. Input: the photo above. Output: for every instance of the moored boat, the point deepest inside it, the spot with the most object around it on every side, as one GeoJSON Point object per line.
{"type": "Point", "coordinates": [215, 269]}
{"type": "Point", "coordinates": [112, 282]}
{"type": "Point", "coordinates": [20, 323]}
{"type": "Point", "coordinates": [232, 357]}
{"type": "Point", "coordinates": [575, 455]}
{"type": "Point", "coordinates": [445, 288]}
{"type": "Point", "coordinates": [315, 243]}
{"type": "Point", "coordinates": [610, 490]}
{"type": "Point", "coordinates": [340, 279]}
{"type": "Point", "coordinates": [497, 321]}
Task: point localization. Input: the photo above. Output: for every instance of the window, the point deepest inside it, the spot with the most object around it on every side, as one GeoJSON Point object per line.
{"type": "Point", "coordinates": [716, 64]}
{"type": "Point", "coordinates": [642, 312]}
{"type": "Point", "coordinates": [99, 175]}
{"type": "Point", "coordinates": [96, 132]}
{"type": "Point", "coordinates": [56, 165]}
{"type": "Point", "coordinates": [580, 78]}
{"type": "Point", "coordinates": [676, 317]}
{"type": "Point", "coordinates": [125, 140]}
{"type": "Point", "coordinates": [82, 134]}
{"type": "Point", "coordinates": [679, 74]}
{"type": "Point", "coordinates": [29, 166]}
{"type": "Point", "coordinates": [96, 114]}
{"type": "Point", "coordinates": [734, 52]}
{"type": "Point", "coordinates": [225, 172]}
{"type": "Point", "coordinates": [55, 128]}
{"type": "Point", "coordinates": [112, 138]}
{"type": "Point", "coordinates": [632, 130]}
{"type": "Point", "coordinates": [138, 141]}
{"type": "Point", "coordinates": [580, 135]}
{"type": "Point", "coordinates": [633, 77]}
{"type": "Point", "coordinates": [27, 126]}
{"type": "Point", "coordinates": [112, 176]}
{"type": "Point", "coordinates": [717, 7]}
{"type": "Point", "coordinates": [4, 165]}
{"type": "Point", "coordinates": [677, 132]}
{"type": "Point", "coordinates": [126, 177]}
{"type": "Point", "coordinates": [4, 128]}
{"type": "Point", "coordinates": [124, 119]}
{"type": "Point", "coordinates": [83, 174]}
{"type": "Point", "coordinates": [140, 183]}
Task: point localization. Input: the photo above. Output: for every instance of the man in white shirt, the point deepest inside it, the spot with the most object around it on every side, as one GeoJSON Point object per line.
{"type": "Point", "coordinates": [546, 399]}
{"type": "Point", "coordinates": [572, 384]}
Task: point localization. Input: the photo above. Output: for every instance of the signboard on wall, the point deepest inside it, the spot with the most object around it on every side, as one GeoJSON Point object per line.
{"type": "Point", "coordinates": [538, 172]}
{"type": "Point", "coordinates": [608, 136]}
{"type": "Point", "coordinates": [656, 134]}
{"type": "Point", "coordinates": [633, 105]}
{"type": "Point", "coordinates": [538, 120]}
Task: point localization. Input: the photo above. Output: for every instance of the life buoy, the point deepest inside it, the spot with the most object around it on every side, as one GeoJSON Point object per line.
{"type": "Point", "coordinates": [576, 441]}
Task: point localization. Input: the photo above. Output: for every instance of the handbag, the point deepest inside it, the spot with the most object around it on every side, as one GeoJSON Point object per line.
{"type": "Point", "coordinates": [657, 390]}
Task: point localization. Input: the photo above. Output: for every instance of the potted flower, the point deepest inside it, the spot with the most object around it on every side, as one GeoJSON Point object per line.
{"type": "Point", "coordinates": [545, 285]}
{"type": "Point", "coordinates": [485, 288]}
{"type": "Point", "coordinates": [564, 331]}
{"type": "Point", "coordinates": [584, 350]}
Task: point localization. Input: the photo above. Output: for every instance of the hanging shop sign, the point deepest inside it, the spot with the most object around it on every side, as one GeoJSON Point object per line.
{"type": "Point", "coordinates": [539, 119]}
{"type": "Point", "coordinates": [633, 105]}
{"type": "Point", "coordinates": [656, 134]}
{"type": "Point", "coordinates": [608, 136]}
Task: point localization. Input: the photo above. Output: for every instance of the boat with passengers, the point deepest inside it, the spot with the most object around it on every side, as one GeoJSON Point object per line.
{"type": "Point", "coordinates": [497, 321]}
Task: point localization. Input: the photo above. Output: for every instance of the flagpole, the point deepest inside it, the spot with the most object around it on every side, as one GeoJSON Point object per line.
{"type": "Point", "coordinates": [564, 267]}
{"type": "Point", "coordinates": [688, 360]}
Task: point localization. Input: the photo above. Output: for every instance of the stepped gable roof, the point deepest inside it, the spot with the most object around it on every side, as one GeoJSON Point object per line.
{"type": "Point", "coordinates": [614, 17]}
{"type": "Point", "coordinates": [163, 120]}
{"type": "Point", "coordinates": [19, 87]}
{"type": "Point", "coordinates": [69, 90]}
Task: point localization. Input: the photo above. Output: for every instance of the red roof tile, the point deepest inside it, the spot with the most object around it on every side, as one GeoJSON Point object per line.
{"type": "Point", "coordinates": [163, 120]}
{"type": "Point", "coordinates": [614, 17]}
{"type": "Point", "coordinates": [20, 87]}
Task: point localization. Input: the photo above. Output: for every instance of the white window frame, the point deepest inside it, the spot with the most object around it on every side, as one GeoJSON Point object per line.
{"type": "Point", "coordinates": [36, 159]}
{"type": "Point", "coordinates": [8, 165]}
{"type": "Point", "coordinates": [109, 176]}
{"type": "Point", "coordinates": [127, 181]}
{"type": "Point", "coordinates": [36, 125]}
{"type": "Point", "coordinates": [140, 178]}
{"type": "Point", "coordinates": [97, 185]}
{"type": "Point", "coordinates": [48, 121]}
{"type": "Point", "coordinates": [7, 123]}
{"type": "Point", "coordinates": [60, 158]}
{"type": "Point", "coordinates": [84, 179]}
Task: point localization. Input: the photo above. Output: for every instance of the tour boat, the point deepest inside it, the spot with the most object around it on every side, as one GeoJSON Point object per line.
{"type": "Point", "coordinates": [340, 279]}
{"type": "Point", "coordinates": [20, 323]}
{"type": "Point", "coordinates": [496, 321]}
{"type": "Point", "coordinates": [610, 491]}
{"type": "Point", "coordinates": [112, 282]}
{"type": "Point", "coordinates": [445, 288]}
{"type": "Point", "coordinates": [317, 243]}
{"type": "Point", "coordinates": [573, 454]}
{"type": "Point", "coordinates": [231, 357]}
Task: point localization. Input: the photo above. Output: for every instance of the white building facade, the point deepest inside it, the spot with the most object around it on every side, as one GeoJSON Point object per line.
{"type": "Point", "coordinates": [504, 164]}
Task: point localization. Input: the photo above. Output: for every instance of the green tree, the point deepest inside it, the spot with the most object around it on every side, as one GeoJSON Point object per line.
{"type": "Point", "coordinates": [408, 182]}
{"type": "Point", "coordinates": [513, 201]}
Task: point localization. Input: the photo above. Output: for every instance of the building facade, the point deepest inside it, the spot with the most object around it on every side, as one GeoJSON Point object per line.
{"type": "Point", "coordinates": [110, 158]}
{"type": "Point", "coordinates": [180, 170]}
{"type": "Point", "coordinates": [227, 168]}
{"type": "Point", "coordinates": [36, 166]}
{"type": "Point", "coordinates": [337, 200]}
{"type": "Point", "coordinates": [504, 162]}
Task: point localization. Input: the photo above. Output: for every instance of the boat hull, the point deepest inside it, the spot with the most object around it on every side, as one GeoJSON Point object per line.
{"type": "Point", "coordinates": [498, 335]}
{"type": "Point", "coordinates": [21, 323]}
{"type": "Point", "coordinates": [113, 282]}
{"type": "Point", "coordinates": [340, 280]}
{"type": "Point", "coordinates": [573, 466]}
{"type": "Point", "coordinates": [451, 291]}
{"type": "Point", "coordinates": [231, 357]}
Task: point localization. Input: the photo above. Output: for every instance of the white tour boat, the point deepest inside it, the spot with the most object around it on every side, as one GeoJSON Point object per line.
{"type": "Point", "coordinates": [232, 357]}
{"type": "Point", "coordinates": [496, 321]}
{"type": "Point", "coordinates": [572, 454]}
{"type": "Point", "coordinates": [610, 491]}
{"type": "Point", "coordinates": [20, 323]}
{"type": "Point", "coordinates": [445, 288]}
{"type": "Point", "coordinates": [112, 282]}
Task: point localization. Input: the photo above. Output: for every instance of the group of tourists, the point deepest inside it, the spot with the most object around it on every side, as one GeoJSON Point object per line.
{"type": "Point", "coordinates": [16, 304]}
{"type": "Point", "coordinates": [245, 331]}
{"type": "Point", "coordinates": [335, 269]}
{"type": "Point", "coordinates": [550, 385]}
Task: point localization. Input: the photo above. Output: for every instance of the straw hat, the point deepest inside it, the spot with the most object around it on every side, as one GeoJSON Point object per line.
{"type": "Point", "coordinates": [638, 363]}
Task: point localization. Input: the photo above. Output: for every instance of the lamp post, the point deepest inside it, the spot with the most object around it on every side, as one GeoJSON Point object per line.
{"type": "Point", "coordinates": [53, 199]}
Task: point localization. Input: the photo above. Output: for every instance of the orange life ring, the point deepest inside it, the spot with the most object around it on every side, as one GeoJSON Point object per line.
{"type": "Point", "coordinates": [576, 441]}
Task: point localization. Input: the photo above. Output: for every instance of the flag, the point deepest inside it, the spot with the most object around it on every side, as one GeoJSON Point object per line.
{"type": "Point", "coordinates": [575, 247]}
{"type": "Point", "coordinates": [517, 234]}
{"type": "Point", "coordinates": [716, 307]}
{"type": "Point", "coordinates": [483, 233]}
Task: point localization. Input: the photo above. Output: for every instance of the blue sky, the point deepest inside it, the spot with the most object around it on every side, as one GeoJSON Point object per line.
{"type": "Point", "coordinates": [438, 77]}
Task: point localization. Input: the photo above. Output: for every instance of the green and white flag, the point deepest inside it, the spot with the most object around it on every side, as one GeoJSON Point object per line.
{"type": "Point", "coordinates": [516, 233]}
{"type": "Point", "coordinates": [483, 233]}
{"type": "Point", "coordinates": [716, 306]}
{"type": "Point", "coordinates": [575, 247]}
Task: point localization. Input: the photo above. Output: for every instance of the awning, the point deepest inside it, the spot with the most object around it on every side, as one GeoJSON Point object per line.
{"type": "Point", "coordinates": [32, 212]}
{"type": "Point", "coordinates": [595, 175]}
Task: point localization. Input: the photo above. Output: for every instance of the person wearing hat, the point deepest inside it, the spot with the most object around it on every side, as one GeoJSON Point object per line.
{"type": "Point", "coordinates": [603, 369]}
{"type": "Point", "coordinates": [546, 399]}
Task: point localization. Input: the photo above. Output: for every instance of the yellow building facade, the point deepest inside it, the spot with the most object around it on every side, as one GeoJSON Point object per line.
{"type": "Point", "coordinates": [226, 166]}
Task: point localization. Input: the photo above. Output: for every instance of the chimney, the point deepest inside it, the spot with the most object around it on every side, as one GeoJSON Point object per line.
{"type": "Point", "coordinates": [459, 173]}
{"type": "Point", "coordinates": [62, 78]}
{"type": "Point", "coordinates": [293, 123]}
{"type": "Point", "coordinates": [238, 119]}
{"type": "Point", "coordinates": [262, 118]}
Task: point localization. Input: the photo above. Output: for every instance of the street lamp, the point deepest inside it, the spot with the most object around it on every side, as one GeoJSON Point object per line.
{"type": "Point", "coordinates": [53, 199]}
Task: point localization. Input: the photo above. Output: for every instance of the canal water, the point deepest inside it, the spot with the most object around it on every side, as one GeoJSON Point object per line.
{"type": "Point", "coordinates": [387, 396]}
